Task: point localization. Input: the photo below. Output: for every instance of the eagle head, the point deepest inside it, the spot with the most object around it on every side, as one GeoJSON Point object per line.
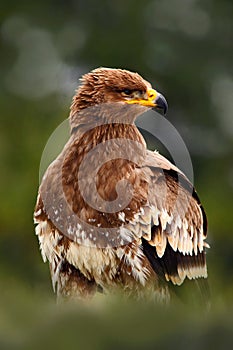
{"type": "Point", "coordinates": [107, 85]}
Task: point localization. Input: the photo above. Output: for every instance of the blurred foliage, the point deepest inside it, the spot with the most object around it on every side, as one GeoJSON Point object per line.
{"type": "Point", "coordinates": [184, 48]}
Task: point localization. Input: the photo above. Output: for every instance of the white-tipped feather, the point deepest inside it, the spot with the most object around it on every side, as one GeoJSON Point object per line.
{"type": "Point", "coordinates": [155, 216]}
{"type": "Point", "coordinates": [164, 219]}
{"type": "Point", "coordinates": [161, 244]}
{"type": "Point", "coordinates": [200, 242]}
{"type": "Point", "coordinates": [195, 240]}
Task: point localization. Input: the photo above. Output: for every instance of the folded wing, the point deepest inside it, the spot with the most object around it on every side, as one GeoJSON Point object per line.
{"type": "Point", "coordinates": [176, 244]}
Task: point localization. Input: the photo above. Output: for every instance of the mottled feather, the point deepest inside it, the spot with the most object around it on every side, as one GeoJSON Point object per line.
{"type": "Point", "coordinates": [159, 236]}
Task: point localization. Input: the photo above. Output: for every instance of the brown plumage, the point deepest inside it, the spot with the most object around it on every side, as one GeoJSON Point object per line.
{"type": "Point", "coordinates": [141, 227]}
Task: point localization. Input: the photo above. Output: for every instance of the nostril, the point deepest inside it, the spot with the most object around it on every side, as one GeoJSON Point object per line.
{"type": "Point", "coordinates": [151, 94]}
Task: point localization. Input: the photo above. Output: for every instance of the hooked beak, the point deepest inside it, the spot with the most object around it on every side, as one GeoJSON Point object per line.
{"type": "Point", "coordinates": [159, 101]}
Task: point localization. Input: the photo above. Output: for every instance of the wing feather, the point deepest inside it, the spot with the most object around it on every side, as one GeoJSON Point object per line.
{"type": "Point", "coordinates": [179, 225]}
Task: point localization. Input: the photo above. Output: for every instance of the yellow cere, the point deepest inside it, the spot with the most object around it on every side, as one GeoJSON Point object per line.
{"type": "Point", "coordinates": [149, 102]}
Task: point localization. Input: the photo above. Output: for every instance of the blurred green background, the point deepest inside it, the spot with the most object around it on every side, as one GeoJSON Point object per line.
{"type": "Point", "coordinates": [184, 48]}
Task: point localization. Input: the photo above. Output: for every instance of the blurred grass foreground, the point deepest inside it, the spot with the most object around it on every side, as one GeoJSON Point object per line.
{"type": "Point", "coordinates": [184, 48]}
{"type": "Point", "coordinates": [33, 321]}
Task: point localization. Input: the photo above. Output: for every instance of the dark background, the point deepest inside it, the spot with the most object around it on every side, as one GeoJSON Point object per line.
{"type": "Point", "coordinates": [184, 48]}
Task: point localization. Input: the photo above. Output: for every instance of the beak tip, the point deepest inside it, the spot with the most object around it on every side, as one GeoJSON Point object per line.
{"type": "Point", "coordinates": [161, 104]}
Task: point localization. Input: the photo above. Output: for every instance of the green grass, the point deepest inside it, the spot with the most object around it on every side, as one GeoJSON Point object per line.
{"type": "Point", "coordinates": [30, 318]}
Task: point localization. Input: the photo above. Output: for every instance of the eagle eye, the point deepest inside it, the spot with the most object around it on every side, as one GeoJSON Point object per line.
{"type": "Point", "coordinates": [126, 92]}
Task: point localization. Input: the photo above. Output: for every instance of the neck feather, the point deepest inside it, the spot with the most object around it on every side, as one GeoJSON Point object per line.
{"type": "Point", "coordinates": [101, 133]}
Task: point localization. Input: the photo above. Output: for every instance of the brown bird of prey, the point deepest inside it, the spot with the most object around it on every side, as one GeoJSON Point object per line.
{"type": "Point", "coordinates": [112, 215]}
